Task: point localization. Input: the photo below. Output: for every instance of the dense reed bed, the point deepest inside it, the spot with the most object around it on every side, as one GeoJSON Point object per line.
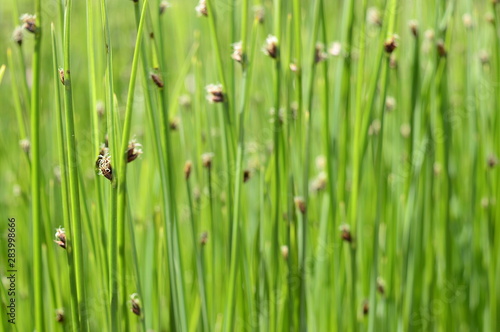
{"type": "Point", "coordinates": [258, 165]}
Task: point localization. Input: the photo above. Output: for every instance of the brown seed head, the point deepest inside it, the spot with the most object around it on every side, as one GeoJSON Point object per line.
{"type": "Point", "coordinates": [60, 315]}
{"type": "Point", "coordinates": [365, 307]}
{"type": "Point", "coordinates": [99, 107]}
{"type": "Point", "coordinates": [174, 124]}
{"type": "Point", "coordinates": [246, 175]}
{"type": "Point", "coordinates": [215, 93]}
{"type": "Point", "coordinates": [284, 251]}
{"type": "Point", "coordinates": [391, 44]}
{"type": "Point", "coordinates": [163, 6]}
{"type": "Point", "coordinates": [29, 22]}
{"type": "Point", "coordinates": [25, 145]}
{"type": "Point", "coordinates": [374, 17]}
{"type": "Point", "coordinates": [492, 161]}
{"type": "Point", "coordinates": [413, 24]}
{"type": "Point", "coordinates": [135, 304]}
{"type": "Point", "coordinates": [61, 75]}
{"type": "Point", "coordinates": [206, 159]}
{"type": "Point", "coordinates": [441, 48]}
{"type": "Point", "coordinates": [104, 166]}
{"type": "Point", "coordinates": [237, 52]}
{"type": "Point", "coordinates": [271, 48]}
{"type": "Point", "coordinates": [345, 233]}
{"type": "Point", "coordinates": [319, 53]}
{"type": "Point", "coordinates": [300, 204]}
{"type": "Point", "coordinates": [133, 151]}
{"type": "Point", "coordinates": [187, 169]}
{"type": "Point", "coordinates": [259, 13]}
{"type": "Point", "coordinates": [201, 9]}
{"type": "Point", "coordinates": [17, 35]}
{"type": "Point", "coordinates": [157, 80]}
{"type": "Point", "coordinates": [380, 286]}
{"type": "Point", "coordinates": [60, 237]}
{"type": "Point", "coordinates": [204, 238]}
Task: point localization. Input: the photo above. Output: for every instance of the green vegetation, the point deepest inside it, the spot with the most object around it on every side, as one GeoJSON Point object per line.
{"type": "Point", "coordinates": [262, 165]}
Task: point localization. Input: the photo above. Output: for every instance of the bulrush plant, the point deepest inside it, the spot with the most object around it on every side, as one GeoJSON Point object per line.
{"type": "Point", "coordinates": [251, 166]}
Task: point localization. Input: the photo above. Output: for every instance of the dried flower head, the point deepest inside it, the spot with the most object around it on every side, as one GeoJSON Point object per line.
{"type": "Point", "coordinates": [319, 183]}
{"type": "Point", "coordinates": [204, 238]}
{"type": "Point", "coordinates": [294, 68]}
{"type": "Point", "coordinates": [17, 35]}
{"type": "Point", "coordinates": [259, 13]}
{"type": "Point", "coordinates": [365, 307]}
{"type": "Point", "coordinates": [215, 93]}
{"type": "Point", "coordinates": [157, 80]}
{"type": "Point", "coordinates": [300, 203]}
{"type": "Point", "coordinates": [484, 57]}
{"type": "Point", "coordinates": [60, 315]}
{"type": "Point", "coordinates": [100, 108]}
{"type": "Point", "coordinates": [61, 75]}
{"type": "Point", "coordinates": [489, 17]}
{"type": "Point", "coordinates": [320, 162]}
{"type": "Point", "coordinates": [467, 20]}
{"type": "Point", "coordinates": [319, 53]}
{"type": "Point", "coordinates": [187, 169]}
{"type": "Point", "coordinates": [441, 48]}
{"type": "Point", "coordinates": [381, 285]}
{"type": "Point", "coordinates": [271, 48]}
{"type": "Point", "coordinates": [374, 17]}
{"type": "Point", "coordinates": [163, 6]}
{"type": "Point", "coordinates": [413, 24]}
{"type": "Point", "coordinates": [60, 237]}
{"type": "Point", "coordinates": [390, 103]}
{"type": "Point", "coordinates": [335, 48]}
{"type": "Point", "coordinates": [237, 52]}
{"type": "Point", "coordinates": [391, 44]}
{"type": "Point", "coordinates": [135, 304]}
{"type": "Point", "coordinates": [345, 233]}
{"type": "Point", "coordinates": [375, 127]}
{"type": "Point", "coordinates": [201, 9]}
{"type": "Point", "coordinates": [284, 251]}
{"type": "Point", "coordinates": [246, 175]}
{"type": "Point", "coordinates": [174, 124]}
{"type": "Point", "coordinates": [206, 159]}
{"type": "Point", "coordinates": [25, 145]}
{"type": "Point", "coordinates": [133, 151]}
{"type": "Point", "coordinates": [103, 164]}
{"type": "Point", "coordinates": [29, 22]}
{"type": "Point", "coordinates": [492, 161]}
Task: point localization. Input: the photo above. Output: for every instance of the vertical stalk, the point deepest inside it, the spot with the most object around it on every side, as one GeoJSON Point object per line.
{"type": "Point", "coordinates": [35, 173]}
{"type": "Point", "coordinates": [77, 237]}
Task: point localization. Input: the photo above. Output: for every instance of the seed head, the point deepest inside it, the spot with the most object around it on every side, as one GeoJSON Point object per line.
{"type": "Point", "coordinates": [103, 164]}
{"type": "Point", "coordinates": [489, 17]}
{"type": "Point", "coordinates": [284, 251]}
{"type": "Point", "coordinates": [390, 103]}
{"type": "Point", "coordinates": [259, 13]}
{"type": "Point", "coordinates": [206, 159]}
{"type": "Point", "coordinates": [345, 233]}
{"type": "Point", "coordinates": [374, 17]}
{"type": "Point", "coordinates": [133, 151]}
{"type": "Point", "coordinates": [187, 169]}
{"type": "Point", "coordinates": [365, 307]}
{"type": "Point", "coordinates": [99, 108]}
{"type": "Point", "coordinates": [17, 35]}
{"type": "Point", "coordinates": [61, 75]}
{"type": "Point", "coordinates": [215, 93]}
{"type": "Point", "coordinates": [391, 44]}
{"type": "Point", "coordinates": [492, 161]}
{"type": "Point", "coordinates": [60, 237]}
{"type": "Point", "coordinates": [157, 80]}
{"type": "Point", "coordinates": [237, 52]}
{"type": "Point", "coordinates": [29, 22]}
{"type": "Point", "coordinates": [246, 175]}
{"type": "Point", "coordinates": [467, 20]}
{"type": "Point", "coordinates": [60, 315]}
{"type": "Point", "coordinates": [135, 304]}
{"type": "Point", "coordinates": [163, 6]}
{"type": "Point", "coordinates": [204, 238]}
{"type": "Point", "coordinates": [484, 57]}
{"type": "Point", "coordinates": [319, 183]}
{"type": "Point", "coordinates": [413, 24]}
{"type": "Point", "coordinates": [319, 53]}
{"type": "Point", "coordinates": [335, 48]}
{"type": "Point", "coordinates": [441, 48]}
{"type": "Point", "coordinates": [381, 285]}
{"type": "Point", "coordinates": [25, 145]}
{"type": "Point", "coordinates": [294, 68]}
{"type": "Point", "coordinates": [320, 162]}
{"type": "Point", "coordinates": [405, 130]}
{"type": "Point", "coordinates": [201, 9]}
{"type": "Point", "coordinates": [174, 124]}
{"type": "Point", "coordinates": [271, 48]}
{"type": "Point", "coordinates": [375, 127]}
{"type": "Point", "coordinates": [300, 203]}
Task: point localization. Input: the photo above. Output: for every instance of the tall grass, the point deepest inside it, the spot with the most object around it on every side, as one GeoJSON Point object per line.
{"type": "Point", "coordinates": [344, 178]}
